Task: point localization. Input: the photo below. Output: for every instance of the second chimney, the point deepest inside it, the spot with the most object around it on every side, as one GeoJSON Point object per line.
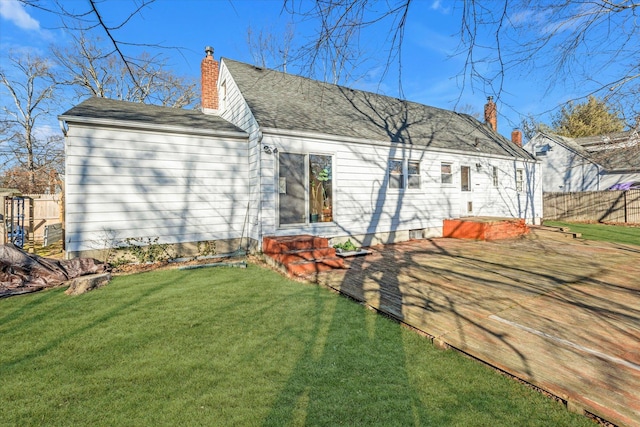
{"type": "Point", "coordinates": [491, 114]}
{"type": "Point", "coordinates": [209, 71]}
{"type": "Point", "coordinates": [516, 137]}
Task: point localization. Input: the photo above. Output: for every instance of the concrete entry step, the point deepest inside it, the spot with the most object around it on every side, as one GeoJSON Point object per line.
{"type": "Point", "coordinates": [301, 255]}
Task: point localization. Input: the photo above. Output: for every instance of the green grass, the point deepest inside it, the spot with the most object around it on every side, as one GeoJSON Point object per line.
{"type": "Point", "coordinates": [232, 347]}
{"type": "Point", "coordinates": [603, 232]}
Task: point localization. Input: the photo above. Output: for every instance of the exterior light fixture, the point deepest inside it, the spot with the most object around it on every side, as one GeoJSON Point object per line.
{"type": "Point", "coordinates": [270, 150]}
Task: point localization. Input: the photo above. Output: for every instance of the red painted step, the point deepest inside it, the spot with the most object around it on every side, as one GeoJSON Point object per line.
{"type": "Point", "coordinates": [303, 268]}
{"type": "Point", "coordinates": [484, 228]}
{"type": "Point", "coordinates": [282, 244]}
{"type": "Point", "coordinates": [301, 255]}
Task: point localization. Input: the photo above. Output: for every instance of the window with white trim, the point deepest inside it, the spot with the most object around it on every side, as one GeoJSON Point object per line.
{"type": "Point", "coordinates": [519, 180]}
{"type": "Point", "coordinates": [404, 174]}
{"type": "Point", "coordinates": [446, 173]}
{"type": "Point", "coordinates": [465, 178]}
{"type": "Point", "coordinates": [396, 176]}
{"type": "Point", "coordinates": [495, 176]}
{"type": "Point", "coordinates": [413, 175]}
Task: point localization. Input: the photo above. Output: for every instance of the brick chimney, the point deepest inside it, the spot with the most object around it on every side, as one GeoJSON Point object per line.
{"type": "Point", "coordinates": [209, 71]}
{"type": "Point", "coordinates": [516, 137]}
{"type": "Point", "coordinates": [491, 114]}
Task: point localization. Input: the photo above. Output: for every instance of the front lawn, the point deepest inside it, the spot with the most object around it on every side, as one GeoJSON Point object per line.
{"type": "Point", "coordinates": [604, 232]}
{"type": "Point", "coordinates": [235, 347]}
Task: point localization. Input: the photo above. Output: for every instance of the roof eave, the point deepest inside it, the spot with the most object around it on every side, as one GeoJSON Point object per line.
{"type": "Point", "coordinates": [331, 137]}
{"type": "Point", "coordinates": [151, 127]}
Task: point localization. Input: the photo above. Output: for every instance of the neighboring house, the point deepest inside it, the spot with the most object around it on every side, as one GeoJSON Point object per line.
{"type": "Point", "coordinates": [277, 154]}
{"type": "Point", "coordinates": [587, 164]}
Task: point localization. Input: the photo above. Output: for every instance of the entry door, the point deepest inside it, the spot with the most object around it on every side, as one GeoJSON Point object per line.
{"type": "Point", "coordinates": [466, 198]}
{"type": "Point", "coordinates": [291, 189]}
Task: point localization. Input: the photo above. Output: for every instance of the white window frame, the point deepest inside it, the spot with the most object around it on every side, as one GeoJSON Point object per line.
{"type": "Point", "coordinates": [411, 184]}
{"type": "Point", "coordinates": [449, 174]}
{"type": "Point", "coordinates": [393, 174]}
{"type": "Point", "coordinates": [519, 180]}
{"type": "Point", "coordinates": [495, 177]}
{"type": "Point", "coordinates": [468, 189]}
{"type": "Point", "coordinates": [405, 181]}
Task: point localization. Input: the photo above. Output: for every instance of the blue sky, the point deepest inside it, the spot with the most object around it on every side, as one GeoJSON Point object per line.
{"type": "Point", "coordinates": [430, 74]}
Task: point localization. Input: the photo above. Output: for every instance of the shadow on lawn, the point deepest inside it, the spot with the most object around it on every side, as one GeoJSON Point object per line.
{"type": "Point", "coordinates": [333, 379]}
{"type": "Point", "coordinates": [22, 319]}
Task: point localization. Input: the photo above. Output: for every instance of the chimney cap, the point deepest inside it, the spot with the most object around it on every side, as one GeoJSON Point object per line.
{"type": "Point", "coordinates": [490, 98]}
{"type": "Point", "coordinates": [208, 50]}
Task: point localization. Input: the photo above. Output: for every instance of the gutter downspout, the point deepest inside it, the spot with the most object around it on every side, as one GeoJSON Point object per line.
{"type": "Point", "coordinates": [259, 195]}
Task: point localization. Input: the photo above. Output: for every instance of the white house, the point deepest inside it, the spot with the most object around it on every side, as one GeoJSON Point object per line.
{"type": "Point", "coordinates": [587, 164]}
{"type": "Point", "coordinates": [277, 154]}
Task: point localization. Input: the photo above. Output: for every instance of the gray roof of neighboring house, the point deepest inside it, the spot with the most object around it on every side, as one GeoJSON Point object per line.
{"type": "Point", "coordinates": [615, 153]}
{"type": "Point", "coordinates": [285, 101]}
{"type": "Point", "coordinates": [110, 109]}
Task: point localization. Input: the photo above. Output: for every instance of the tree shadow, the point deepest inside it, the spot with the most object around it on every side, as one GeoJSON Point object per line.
{"type": "Point", "coordinates": [22, 319]}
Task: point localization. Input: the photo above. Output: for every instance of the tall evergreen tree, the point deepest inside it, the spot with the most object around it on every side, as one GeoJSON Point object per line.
{"type": "Point", "coordinates": [591, 118]}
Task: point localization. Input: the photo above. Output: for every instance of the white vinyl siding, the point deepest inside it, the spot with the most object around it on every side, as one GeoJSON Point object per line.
{"type": "Point", "coordinates": [237, 112]}
{"type": "Point", "coordinates": [364, 203]}
{"type": "Point", "coordinates": [139, 184]}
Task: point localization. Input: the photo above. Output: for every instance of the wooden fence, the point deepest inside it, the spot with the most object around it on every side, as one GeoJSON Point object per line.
{"type": "Point", "coordinates": [599, 206]}
{"type": "Point", "coordinates": [46, 211]}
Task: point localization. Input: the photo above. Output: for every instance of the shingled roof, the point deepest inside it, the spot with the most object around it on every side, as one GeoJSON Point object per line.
{"type": "Point", "coordinates": [619, 152]}
{"type": "Point", "coordinates": [133, 112]}
{"type": "Point", "coordinates": [288, 102]}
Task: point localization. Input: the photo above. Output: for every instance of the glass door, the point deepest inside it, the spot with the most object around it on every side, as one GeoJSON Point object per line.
{"type": "Point", "coordinates": [465, 191]}
{"type": "Point", "coordinates": [320, 188]}
{"type": "Point", "coordinates": [292, 189]}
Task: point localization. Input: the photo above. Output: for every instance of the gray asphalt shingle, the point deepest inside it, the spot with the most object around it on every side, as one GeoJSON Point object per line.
{"type": "Point", "coordinates": [615, 153]}
{"type": "Point", "coordinates": [110, 109]}
{"type": "Point", "coordinates": [285, 101]}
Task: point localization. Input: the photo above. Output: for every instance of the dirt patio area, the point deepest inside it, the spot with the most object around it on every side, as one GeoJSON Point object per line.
{"type": "Point", "coordinates": [562, 314]}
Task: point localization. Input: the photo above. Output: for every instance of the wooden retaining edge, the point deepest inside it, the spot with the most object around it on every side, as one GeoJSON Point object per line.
{"type": "Point", "coordinates": [561, 231]}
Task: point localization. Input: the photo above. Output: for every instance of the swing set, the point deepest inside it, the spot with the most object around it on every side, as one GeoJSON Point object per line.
{"type": "Point", "coordinates": [18, 221]}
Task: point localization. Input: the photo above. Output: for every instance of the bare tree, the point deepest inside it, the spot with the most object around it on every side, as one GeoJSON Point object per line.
{"type": "Point", "coordinates": [32, 91]}
{"type": "Point", "coordinates": [89, 15]}
{"type": "Point", "coordinates": [500, 36]}
{"type": "Point", "coordinates": [530, 125]}
{"type": "Point", "coordinates": [470, 110]}
{"type": "Point", "coordinates": [269, 49]}
{"type": "Point", "coordinates": [335, 53]}
{"type": "Point", "coordinates": [92, 70]}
